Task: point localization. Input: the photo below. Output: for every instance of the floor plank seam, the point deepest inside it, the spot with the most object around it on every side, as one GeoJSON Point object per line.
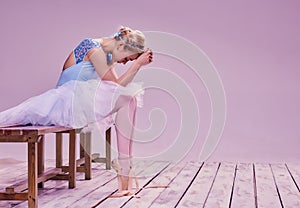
{"type": "Point", "coordinates": [232, 188]}
{"type": "Point", "coordinates": [277, 189]}
{"type": "Point", "coordinates": [105, 198]}
{"type": "Point", "coordinates": [210, 188]}
{"type": "Point", "coordinates": [190, 184]}
{"type": "Point", "coordinates": [255, 186]}
{"type": "Point", "coordinates": [292, 177]}
{"type": "Point", "coordinates": [95, 190]}
{"type": "Point", "coordinates": [168, 184]}
{"type": "Point", "coordinates": [146, 184]}
{"type": "Point", "coordinates": [101, 201]}
{"type": "Point", "coordinates": [185, 184]}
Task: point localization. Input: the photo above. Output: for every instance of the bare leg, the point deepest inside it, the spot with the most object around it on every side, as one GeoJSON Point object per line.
{"type": "Point", "coordinates": [125, 108]}
{"type": "Point", "coordinates": [125, 124]}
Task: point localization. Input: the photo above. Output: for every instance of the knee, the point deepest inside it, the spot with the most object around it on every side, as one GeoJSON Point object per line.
{"type": "Point", "coordinates": [128, 101]}
{"type": "Point", "coordinates": [133, 102]}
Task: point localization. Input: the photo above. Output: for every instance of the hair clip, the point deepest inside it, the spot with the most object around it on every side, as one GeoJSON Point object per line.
{"type": "Point", "coordinates": [118, 34]}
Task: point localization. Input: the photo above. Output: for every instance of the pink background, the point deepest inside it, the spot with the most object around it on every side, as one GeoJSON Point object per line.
{"type": "Point", "coordinates": [255, 46]}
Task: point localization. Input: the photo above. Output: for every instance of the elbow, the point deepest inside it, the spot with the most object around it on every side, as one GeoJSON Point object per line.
{"type": "Point", "coordinates": [117, 81]}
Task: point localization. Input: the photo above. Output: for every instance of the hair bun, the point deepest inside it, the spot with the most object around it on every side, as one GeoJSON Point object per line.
{"type": "Point", "coordinates": [134, 39]}
{"type": "Point", "coordinates": [125, 30]}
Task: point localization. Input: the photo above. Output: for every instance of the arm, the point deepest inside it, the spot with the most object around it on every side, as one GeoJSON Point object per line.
{"type": "Point", "coordinates": [142, 60]}
{"type": "Point", "coordinates": [98, 59]}
{"type": "Point", "coordinates": [125, 78]}
{"type": "Point", "coordinates": [128, 76]}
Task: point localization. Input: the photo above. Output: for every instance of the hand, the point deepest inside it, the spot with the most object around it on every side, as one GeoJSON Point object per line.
{"type": "Point", "coordinates": [145, 58]}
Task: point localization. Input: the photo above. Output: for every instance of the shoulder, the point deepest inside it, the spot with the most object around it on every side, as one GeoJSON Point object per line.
{"type": "Point", "coordinates": [97, 52]}
{"type": "Point", "coordinates": [85, 47]}
{"type": "Point", "coordinates": [88, 43]}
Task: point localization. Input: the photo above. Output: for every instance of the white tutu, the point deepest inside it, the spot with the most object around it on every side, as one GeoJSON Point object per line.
{"type": "Point", "coordinates": [76, 104]}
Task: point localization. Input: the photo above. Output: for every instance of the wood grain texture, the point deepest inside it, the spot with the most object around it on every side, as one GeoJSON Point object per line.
{"type": "Point", "coordinates": [290, 196]}
{"type": "Point", "coordinates": [198, 192]}
{"type": "Point", "coordinates": [171, 196]}
{"type": "Point", "coordinates": [220, 193]}
{"type": "Point", "coordinates": [17, 174]}
{"type": "Point", "coordinates": [243, 192]}
{"type": "Point", "coordinates": [143, 177]}
{"type": "Point", "coordinates": [72, 159]}
{"type": "Point", "coordinates": [190, 185]}
{"type": "Point", "coordinates": [57, 194]}
{"type": "Point", "coordinates": [267, 195]}
{"type": "Point", "coordinates": [31, 130]}
{"type": "Point", "coordinates": [148, 194]}
{"type": "Point", "coordinates": [59, 149]}
{"type": "Point", "coordinates": [41, 158]}
{"type": "Point", "coordinates": [294, 170]}
{"type": "Point", "coordinates": [103, 189]}
{"type": "Point", "coordinates": [32, 175]}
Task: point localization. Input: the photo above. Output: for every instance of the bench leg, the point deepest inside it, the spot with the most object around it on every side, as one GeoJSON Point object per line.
{"type": "Point", "coordinates": [82, 143]}
{"type": "Point", "coordinates": [58, 150]}
{"type": "Point", "coordinates": [108, 148]}
{"type": "Point", "coordinates": [87, 156]}
{"type": "Point", "coordinates": [41, 159]}
{"type": "Point", "coordinates": [85, 152]}
{"type": "Point", "coordinates": [72, 159]}
{"type": "Point", "coordinates": [32, 175]}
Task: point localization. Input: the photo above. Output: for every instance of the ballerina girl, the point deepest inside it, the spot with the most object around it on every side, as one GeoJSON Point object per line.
{"type": "Point", "coordinates": [89, 91]}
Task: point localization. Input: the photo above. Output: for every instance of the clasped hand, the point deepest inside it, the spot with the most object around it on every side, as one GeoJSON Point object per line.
{"type": "Point", "coordinates": [145, 58]}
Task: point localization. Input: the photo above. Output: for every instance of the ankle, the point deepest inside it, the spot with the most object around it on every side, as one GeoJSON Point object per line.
{"type": "Point", "coordinates": [125, 164]}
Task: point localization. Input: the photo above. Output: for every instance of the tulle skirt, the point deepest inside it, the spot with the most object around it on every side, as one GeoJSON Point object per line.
{"type": "Point", "coordinates": [76, 104]}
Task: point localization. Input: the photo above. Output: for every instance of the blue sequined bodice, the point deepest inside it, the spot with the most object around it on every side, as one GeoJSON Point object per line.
{"type": "Point", "coordinates": [82, 70]}
{"type": "Point", "coordinates": [84, 47]}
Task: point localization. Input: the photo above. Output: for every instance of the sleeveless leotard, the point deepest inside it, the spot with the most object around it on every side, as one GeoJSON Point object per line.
{"type": "Point", "coordinates": [82, 70]}
{"type": "Point", "coordinates": [80, 100]}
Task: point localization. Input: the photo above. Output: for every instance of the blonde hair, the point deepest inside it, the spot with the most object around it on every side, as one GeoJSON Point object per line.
{"type": "Point", "coordinates": [134, 40]}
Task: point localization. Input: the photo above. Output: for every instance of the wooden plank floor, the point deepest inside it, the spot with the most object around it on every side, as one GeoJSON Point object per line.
{"type": "Point", "coordinates": [164, 184]}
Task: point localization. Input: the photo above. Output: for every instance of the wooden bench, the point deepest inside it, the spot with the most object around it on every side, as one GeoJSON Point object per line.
{"type": "Point", "coordinates": [84, 163]}
{"type": "Point", "coordinates": [34, 136]}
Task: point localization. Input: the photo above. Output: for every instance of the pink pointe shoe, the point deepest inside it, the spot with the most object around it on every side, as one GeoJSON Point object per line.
{"type": "Point", "coordinates": [125, 176]}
